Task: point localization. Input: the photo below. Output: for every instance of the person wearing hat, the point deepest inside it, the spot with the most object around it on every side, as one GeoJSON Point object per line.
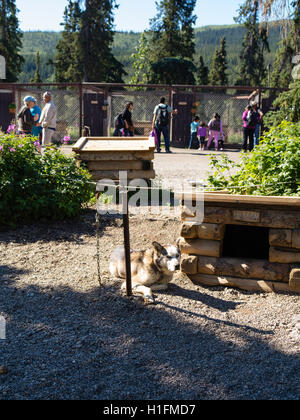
{"type": "Point", "coordinates": [36, 113]}
{"type": "Point", "coordinates": [48, 119]}
{"type": "Point", "coordinates": [25, 118]}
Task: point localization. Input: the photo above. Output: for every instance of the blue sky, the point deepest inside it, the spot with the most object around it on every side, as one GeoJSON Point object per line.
{"type": "Point", "coordinates": [132, 14]}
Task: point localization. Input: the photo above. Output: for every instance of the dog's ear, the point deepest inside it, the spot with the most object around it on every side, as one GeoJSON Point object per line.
{"type": "Point", "coordinates": [158, 247]}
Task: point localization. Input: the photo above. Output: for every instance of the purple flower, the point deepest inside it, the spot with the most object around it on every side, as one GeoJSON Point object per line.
{"type": "Point", "coordinates": [21, 145]}
{"type": "Point", "coordinates": [1, 148]}
{"type": "Point", "coordinates": [67, 139]}
{"type": "Point", "coordinates": [12, 150]}
{"type": "Point", "coordinates": [11, 128]}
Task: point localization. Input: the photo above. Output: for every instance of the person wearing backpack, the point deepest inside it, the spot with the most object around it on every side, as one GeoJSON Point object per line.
{"type": "Point", "coordinates": [123, 122]}
{"type": "Point", "coordinates": [249, 124]}
{"type": "Point", "coordinates": [25, 118]}
{"type": "Point", "coordinates": [161, 119]}
{"type": "Point", "coordinates": [215, 131]}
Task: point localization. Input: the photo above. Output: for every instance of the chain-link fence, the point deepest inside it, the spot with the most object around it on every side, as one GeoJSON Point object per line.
{"type": "Point", "coordinates": [67, 104]}
{"type": "Point", "coordinates": [229, 105]}
{"type": "Point", "coordinates": [144, 103]}
{"type": "Point", "coordinates": [96, 106]}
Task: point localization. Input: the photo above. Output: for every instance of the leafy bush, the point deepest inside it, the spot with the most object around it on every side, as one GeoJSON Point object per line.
{"type": "Point", "coordinates": [35, 186]}
{"type": "Point", "coordinates": [288, 104]}
{"type": "Point", "coordinates": [273, 168]}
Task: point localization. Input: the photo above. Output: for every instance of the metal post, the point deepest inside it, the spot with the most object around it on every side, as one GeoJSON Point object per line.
{"type": "Point", "coordinates": [127, 241]}
{"type": "Point", "coordinates": [80, 110]}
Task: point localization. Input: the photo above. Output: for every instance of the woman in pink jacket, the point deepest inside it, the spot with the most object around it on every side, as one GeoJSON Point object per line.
{"type": "Point", "coordinates": [249, 124]}
{"type": "Point", "coordinates": [215, 130]}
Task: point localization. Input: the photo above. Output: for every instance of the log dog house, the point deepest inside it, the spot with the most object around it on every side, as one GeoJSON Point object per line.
{"type": "Point", "coordinates": [248, 242]}
{"type": "Point", "coordinates": [105, 157]}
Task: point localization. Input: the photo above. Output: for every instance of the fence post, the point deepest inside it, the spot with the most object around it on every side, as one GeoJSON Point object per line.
{"type": "Point", "coordinates": [80, 109]}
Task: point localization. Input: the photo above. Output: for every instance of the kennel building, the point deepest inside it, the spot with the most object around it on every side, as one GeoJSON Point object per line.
{"type": "Point", "coordinates": [248, 242]}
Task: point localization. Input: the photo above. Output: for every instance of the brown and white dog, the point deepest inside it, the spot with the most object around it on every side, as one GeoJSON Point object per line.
{"type": "Point", "coordinates": [151, 270]}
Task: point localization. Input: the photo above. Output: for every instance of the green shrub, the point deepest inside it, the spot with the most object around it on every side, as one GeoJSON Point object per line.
{"type": "Point", "coordinates": [288, 104]}
{"type": "Point", "coordinates": [35, 186]}
{"type": "Point", "coordinates": [273, 168]}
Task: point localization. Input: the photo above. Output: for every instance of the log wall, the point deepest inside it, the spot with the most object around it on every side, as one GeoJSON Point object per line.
{"type": "Point", "coordinates": [202, 238]}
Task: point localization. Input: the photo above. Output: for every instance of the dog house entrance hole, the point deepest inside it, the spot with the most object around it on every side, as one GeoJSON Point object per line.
{"type": "Point", "coordinates": [246, 242]}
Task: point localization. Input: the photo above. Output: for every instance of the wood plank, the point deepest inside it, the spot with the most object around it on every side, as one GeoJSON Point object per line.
{"type": "Point", "coordinates": [280, 237]}
{"type": "Point", "coordinates": [296, 238]}
{"type": "Point", "coordinates": [189, 230]}
{"type": "Point", "coordinates": [246, 216]}
{"type": "Point", "coordinates": [114, 175]}
{"type": "Point", "coordinates": [200, 247]}
{"type": "Point", "coordinates": [244, 284]}
{"type": "Point", "coordinates": [233, 200]}
{"type": "Point", "coordinates": [189, 264]}
{"type": "Point", "coordinates": [295, 280]}
{"type": "Point", "coordinates": [119, 156]}
{"type": "Point", "coordinates": [111, 138]}
{"type": "Point", "coordinates": [284, 256]}
{"type": "Point", "coordinates": [244, 268]}
{"type": "Point", "coordinates": [110, 145]}
{"type": "Point", "coordinates": [211, 231]}
{"type": "Point", "coordinates": [268, 218]}
{"type": "Point", "coordinates": [116, 166]}
{"type": "Point", "coordinates": [79, 144]}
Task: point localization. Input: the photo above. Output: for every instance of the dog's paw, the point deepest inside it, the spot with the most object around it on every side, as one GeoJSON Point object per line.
{"type": "Point", "coordinates": [149, 300]}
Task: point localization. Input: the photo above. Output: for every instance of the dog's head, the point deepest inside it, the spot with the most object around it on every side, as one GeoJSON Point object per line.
{"type": "Point", "coordinates": [167, 259]}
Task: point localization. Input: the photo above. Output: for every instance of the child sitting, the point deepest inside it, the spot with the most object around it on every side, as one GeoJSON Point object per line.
{"type": "Point", "coordinates": [194, 143]}
{"type": "Point", "coordinates": [202, 133]}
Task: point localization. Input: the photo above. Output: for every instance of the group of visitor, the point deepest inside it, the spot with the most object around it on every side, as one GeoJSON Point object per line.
{"type": "Point", "coordinates": [34, 122]}
{"type": "Point", "coordinates": [200, 131]}
{"type": "Point", "coordinates": [160, 124]}
{"type": "Point", "coordinates": [202, 134]}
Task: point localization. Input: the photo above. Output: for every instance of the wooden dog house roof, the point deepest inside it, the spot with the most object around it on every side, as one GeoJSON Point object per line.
{"type": "Point", "coordinates": [111, 144]}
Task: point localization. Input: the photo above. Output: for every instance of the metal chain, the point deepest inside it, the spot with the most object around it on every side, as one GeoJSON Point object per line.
{"type": "Point", "coordinates": [98, 248]}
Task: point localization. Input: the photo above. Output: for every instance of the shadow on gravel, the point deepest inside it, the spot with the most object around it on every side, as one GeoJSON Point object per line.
{"type": "Point", "coordinates": [9, 274]}
{"type": "Point", "coordinates": [66, 231]}
{"type": "Point", "coordinates": [62, 344]}
{"type": "Point", "coordinates": [207, 300]}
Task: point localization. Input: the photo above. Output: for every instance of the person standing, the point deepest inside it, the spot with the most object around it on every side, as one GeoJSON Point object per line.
{"type": "Point", "coordinates": [215, 130]}
{"type": "Point", "coordinates": [249, 124]}
{"type": "Point", "coordinates": [194, 133]}
{"type": "Point", "coordinates": [25, 118]}
{"type": "Point", "coordinates": [202, 133]}
{"type": "Point", "coordinates": [36, 113]}
{"type": "Point", "coordinates": [160, 123]}
{"type": "Point", "coordinates": [48, 119]}
{"type": "Point", "coordinates": [259, 117]}
{"type": "Point", "coordinates": [123, 122]}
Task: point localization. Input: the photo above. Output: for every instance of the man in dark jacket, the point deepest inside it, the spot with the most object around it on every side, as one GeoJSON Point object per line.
{"type": "Point", "coordinates": [25, 118]}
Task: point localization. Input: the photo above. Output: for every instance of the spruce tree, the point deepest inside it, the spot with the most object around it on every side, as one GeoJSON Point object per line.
{"type": "Point", "coordinates": [97, 38]}
{"type": "Point", "coordinates": [84, 52]}
{"type": "Point", "coordinates": [252, 69]}
{"type": "Point", "coordinates": [218, 75]}
{"type": "Point", "coordinates": [68, 59]}
{"type": "Point", "coordinates": [202, 72]}
{"type": "Point", "coordinates": [37, 77]}
{"type": "Point", "coordinates": [172, 30]}
{"type": "Point", "coordinates": [10, 39]}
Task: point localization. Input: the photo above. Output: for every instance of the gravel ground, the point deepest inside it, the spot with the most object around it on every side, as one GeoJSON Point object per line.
{"type": "Point", "coordinates": [187, 164]}
{"type": "Point", "coordinates": [66, 339]}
